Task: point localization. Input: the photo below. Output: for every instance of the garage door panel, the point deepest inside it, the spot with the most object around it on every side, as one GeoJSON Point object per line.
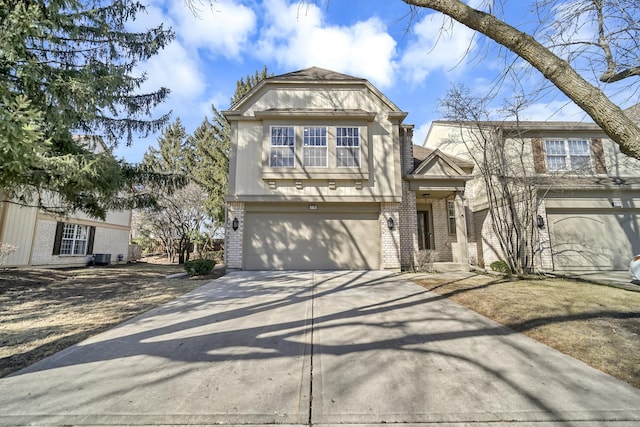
{"type": "Point", "coordinates": [277, 240]}
{"type": "Point", "coordinates": [595, 240]}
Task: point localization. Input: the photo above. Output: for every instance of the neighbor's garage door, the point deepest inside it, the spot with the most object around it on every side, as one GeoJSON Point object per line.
{"type": "Point", "coordinates": [301, 239]}
{"type": "Point", "coordinates": [598, 240]}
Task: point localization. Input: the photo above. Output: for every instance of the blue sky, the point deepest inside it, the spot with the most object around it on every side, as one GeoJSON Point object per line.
{"type": "Point", "coordinates": [410, 59]}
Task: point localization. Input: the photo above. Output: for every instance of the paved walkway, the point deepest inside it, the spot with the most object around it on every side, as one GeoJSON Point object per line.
{"type": "Point", "coordinates": [301, 348]}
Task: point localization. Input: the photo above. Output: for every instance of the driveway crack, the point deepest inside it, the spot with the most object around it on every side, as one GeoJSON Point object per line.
{"type": "Point", "coordinates": [313, 291]}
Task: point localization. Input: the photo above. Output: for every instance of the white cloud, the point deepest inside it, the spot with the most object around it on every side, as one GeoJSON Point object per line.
{"type": "Point", "coordinates": [420, 133]}
{"type": "Point", "coordinates": [296, 36]}
{"type": "Point", "coordinates": [439, 44]}
{"type": "Point", "coordinates": [222, 28]}
{"type": "Point", "coordinates": [175, 68]}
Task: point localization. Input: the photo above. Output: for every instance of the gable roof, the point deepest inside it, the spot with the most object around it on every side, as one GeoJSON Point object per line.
{"type": "Point", "coordinates": [439, 164]}
{"type": "Point", "coordinates": [420, 154]}
{"type": "Point", "coordinates": [315, 76]}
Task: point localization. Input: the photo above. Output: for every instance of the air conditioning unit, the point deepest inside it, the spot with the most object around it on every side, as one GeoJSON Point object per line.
{"type": "Point", "coordinates": [102, 259]}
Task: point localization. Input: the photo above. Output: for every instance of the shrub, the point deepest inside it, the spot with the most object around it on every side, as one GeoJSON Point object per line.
{"type": "Point", "coordinates": [424, 261]}
{"type": "Point", "coordinates": [500, 266]}
{"type": "Point", "coordinates": [199, 267]}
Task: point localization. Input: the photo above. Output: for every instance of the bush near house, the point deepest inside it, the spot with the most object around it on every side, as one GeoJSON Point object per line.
{"type": "Point", "coordinates": [500, 266]}
{"type": "Point", "coordinates": [199, 267]}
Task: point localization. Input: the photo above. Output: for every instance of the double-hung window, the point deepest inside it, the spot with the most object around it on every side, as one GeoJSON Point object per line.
{"type": "Point", "coordinates": [283, 147]}
{"type": "Point", "coordinates": [74, 239]}
{"type": "Point", "coordinates": [347, 147]}
{"type": "Point", "coordinates": [315, 147]}
{"type": "Point", "coordinates": [568, 155]}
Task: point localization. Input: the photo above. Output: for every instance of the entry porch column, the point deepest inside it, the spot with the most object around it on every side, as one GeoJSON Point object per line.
{"type": "Point", "coordinates": [461, 230]}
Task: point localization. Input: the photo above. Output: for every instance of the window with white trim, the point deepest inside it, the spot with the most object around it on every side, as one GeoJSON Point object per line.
{"type": "Point", "coordinates": [283, 147]}
{"type": "Point", "coordinates": [74, 239]}
{"type": "Point", "coordinates": [347, 147]}
{"type": "Point", "coordinates": [315, 147]}
{"type": "Point", "coordinates": [568, 154]}
{"type": "Point", "coordinates": [451, 215]}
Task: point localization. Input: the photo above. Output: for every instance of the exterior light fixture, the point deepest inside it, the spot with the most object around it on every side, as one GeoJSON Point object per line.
{"type": "Point", "coordinates": [390, 223]}
{"type": "Point", "coordinates": [235, 224]}
{"type": "Point", "coordinates": [540, 221]}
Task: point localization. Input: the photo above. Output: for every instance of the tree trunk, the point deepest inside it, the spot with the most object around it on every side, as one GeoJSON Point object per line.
{"type": "Point", "coordinates": [617, 125]}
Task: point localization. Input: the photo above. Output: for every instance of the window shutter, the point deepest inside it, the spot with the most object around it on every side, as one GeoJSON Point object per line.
{"type": "Point", "coordinates": [598, 155]}
{"type": "Point", "coordinates": [92, 235]}
{"type": "Point", "coordinates": [57, 241]}
{"type": "Point", "coordinates": [538, 155]}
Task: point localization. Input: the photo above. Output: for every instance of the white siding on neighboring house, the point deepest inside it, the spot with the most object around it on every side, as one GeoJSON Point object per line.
{"type": "Point", "coordinates": [18, 228]}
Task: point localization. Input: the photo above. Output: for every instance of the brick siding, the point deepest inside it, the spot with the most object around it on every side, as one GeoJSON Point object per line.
{"type": "Point", "coordinates": [390, 239]}
{"type": "Point", "coordinates": [234, 238]}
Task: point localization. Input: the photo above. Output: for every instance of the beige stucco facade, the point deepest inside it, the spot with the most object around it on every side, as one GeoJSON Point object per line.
{"type": "Point", "coordinates": [590, 218]}
{"type": "Point", "coordinates": [397, 198]}
{"type": "Point", "coordinates": [314, 217]}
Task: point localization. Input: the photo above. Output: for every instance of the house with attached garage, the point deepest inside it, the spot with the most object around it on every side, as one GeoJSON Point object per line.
{"type": "Point", "coordinates": [43, 239]}
{"type": "Point", "coordinates": [586, 198]}
{"type": "Point", "coordinates": [324, 175]}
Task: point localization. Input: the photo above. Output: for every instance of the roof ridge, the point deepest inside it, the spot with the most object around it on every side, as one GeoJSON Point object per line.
{"type": "Point", "coordinates": [316, 73]}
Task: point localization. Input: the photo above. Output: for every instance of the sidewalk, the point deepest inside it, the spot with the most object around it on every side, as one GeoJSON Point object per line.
{"type": "Point", "coordinates": [327, 348]}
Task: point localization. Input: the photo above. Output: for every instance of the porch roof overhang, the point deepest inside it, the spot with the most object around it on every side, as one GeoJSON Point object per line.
{"type": "Point", "coordinates": [438, 176]}
{"type": "Point", "coordinates": [436, 186]}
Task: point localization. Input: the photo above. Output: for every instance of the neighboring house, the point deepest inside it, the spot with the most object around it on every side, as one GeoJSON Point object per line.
{"type": "Point", "coordinates": [46, 240]}
{"type": "Point", "coordinates": [588, 193]}
{"type": "Point", "coordinates": [324, 175]}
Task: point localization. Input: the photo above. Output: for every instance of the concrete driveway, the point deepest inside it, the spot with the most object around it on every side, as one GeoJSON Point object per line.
{"type": "Point", "coordinates": [301, 348]}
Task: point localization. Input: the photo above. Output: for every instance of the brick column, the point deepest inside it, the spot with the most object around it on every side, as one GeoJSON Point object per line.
{"type": "Point", "coordinates": [441, 240]}
{"type": "Point", "coordinates": [233, 238]}
{"type": "Point", "coordinates": [408, 213]}
{"type": "Point", "coordinates": [408, 227]}
{"type": "Point", "coordinates": [390, 239]}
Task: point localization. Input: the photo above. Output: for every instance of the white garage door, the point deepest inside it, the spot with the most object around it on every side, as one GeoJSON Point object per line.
{"type": "Point", "coordinates": [312, 240]}
{"type": "Point", "coordinates": [595, 240]}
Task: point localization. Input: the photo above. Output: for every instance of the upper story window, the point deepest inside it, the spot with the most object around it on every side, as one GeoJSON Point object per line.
{"type": "Point", "coordinates": [283, 147]}
{"type": "Point", "coordinates": [315, 147]}
{"type": "Point", "coordinates": [347, 147]}
{"type": "Point", "coordinates": [568, 155]}
{"type": "Point", "coordinates": [74, 239]}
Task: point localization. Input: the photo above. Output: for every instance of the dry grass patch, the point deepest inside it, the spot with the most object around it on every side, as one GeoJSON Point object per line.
{"type": "Point", "coordinates": [43, 311]}
{"type": "Point", "coordinates": [599, 325]}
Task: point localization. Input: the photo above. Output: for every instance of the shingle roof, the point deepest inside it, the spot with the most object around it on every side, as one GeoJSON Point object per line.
{"type": "Point", "coordinates": [529, 125]}
{"type": "Point", "coordinates": [316, 74]}
{"type": "Point", "coordinates": [420, 153]}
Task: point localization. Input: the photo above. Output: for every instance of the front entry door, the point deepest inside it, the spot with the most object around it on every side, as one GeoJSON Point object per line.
{"type": "Point", "coordinates": [424, 231]}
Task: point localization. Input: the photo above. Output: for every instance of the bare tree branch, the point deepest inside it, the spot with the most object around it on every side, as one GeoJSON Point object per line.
{"type": "Point", "coordinates": [590, 98]}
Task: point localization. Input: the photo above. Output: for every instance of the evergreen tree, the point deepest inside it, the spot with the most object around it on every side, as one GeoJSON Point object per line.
{"type": "Point", "coordinates": [210, 157]}
{"type": "Point", "coordinates": [211, 142]}
{"type": "Point", "coordinates": [66, 67]}
{"type": "Point", "coordinates": [244, 85]}
{"type": "Point", "coordinates": [171, 155]}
